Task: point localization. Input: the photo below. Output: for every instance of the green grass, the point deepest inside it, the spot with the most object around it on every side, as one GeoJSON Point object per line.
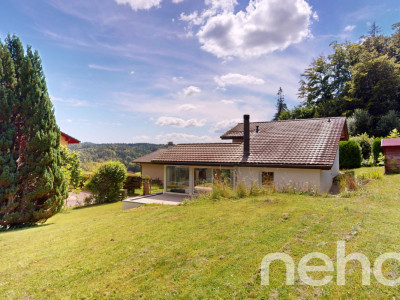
{"type": "Point", "coordinates": [206, 249]}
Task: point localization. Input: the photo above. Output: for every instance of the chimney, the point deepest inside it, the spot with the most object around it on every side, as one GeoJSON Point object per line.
{"type": "Point", "coordinates": [246, 135]}
{"type": "Point", "coordinates": [257, 128]}
{"type": "Point", "coordinates": [170, 144]}
{"type": "Point", "coordinates": [293, 117]}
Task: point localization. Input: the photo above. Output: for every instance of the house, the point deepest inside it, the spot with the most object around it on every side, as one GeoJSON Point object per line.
{"type": "Point", "coordinates": [66, 139]}
{"type": "Point", "coordinates": [147, 168]}
{"type": "Point", "coordinates": [293, 154]}
{"type": "Point", "coordinates": [391, 150]}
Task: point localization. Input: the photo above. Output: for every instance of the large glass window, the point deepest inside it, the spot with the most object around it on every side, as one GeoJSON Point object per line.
{"type": "Point", "coordinates": [224, 176]}
{"type": "Point", "coordinates": [177, 179]}
{"type": "Point", "coordinates": [202, 180]}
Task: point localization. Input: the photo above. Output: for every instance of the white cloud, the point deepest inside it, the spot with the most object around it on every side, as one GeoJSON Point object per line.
{"type": "Point", "coordinates": [177, 79]}
{"type": "Point", "coordinates": [238, 79]}
{"type": "Point", "coordinates": [132, 72]}
{"type": "Point", "coordinates": [180, 123]}
{"type": "Point", "coordinates": [185, 138]}
{"type": "Point", "coordinates": [104, 68]}
{"type": "Point", "coordinates": [225, 125]}
{"type": "Point", "coordinates": [227, 101]}
{"type": "Point", "coordinates": [68, 120]}
{"type": "Point", "coordinates": [349, 28]}
{"type": "Point", "coordinates": [140, 4]}
{"type": "Point", "coordinates": [141, 138]}
{"type": "Point", "coordinates": [190, 90]}
{"type": "Point", "coordinates": [264, 27]}
{"type": "Point", "coordinates": [177, 1]}
{"type": "Point", "coordinates": [71, 102]}
{"type": "Point", "coordinates": [187, 107]}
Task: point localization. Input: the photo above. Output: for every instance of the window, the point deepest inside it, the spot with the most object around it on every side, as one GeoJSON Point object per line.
{"type": "Point", "coordinates": [177, 179]}
{"type": "Point", "coordinates": [267, 178]}
{"type": "Point", "coordinates": [202, 180]}
{"type": "Point", "coordinates": [223, 176]}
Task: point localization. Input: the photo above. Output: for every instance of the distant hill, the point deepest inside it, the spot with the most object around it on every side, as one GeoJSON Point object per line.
{"type": "Point", "coordinates": [91, 155]}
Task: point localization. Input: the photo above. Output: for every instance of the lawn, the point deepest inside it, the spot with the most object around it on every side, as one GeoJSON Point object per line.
{"type": "Point", "coordinates": [207, 249]}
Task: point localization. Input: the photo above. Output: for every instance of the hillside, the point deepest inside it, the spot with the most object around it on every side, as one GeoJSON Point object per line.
{"type": "Point", "coordinates": [92, 154]}
{"type": "Point", "coordinates": [202, 250]}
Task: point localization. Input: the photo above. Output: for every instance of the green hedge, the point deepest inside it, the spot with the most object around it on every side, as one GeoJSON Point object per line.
{"type": "Point", "coordinates": [349, 155]}
{"type": "Point", "coordinates": [377, 148]}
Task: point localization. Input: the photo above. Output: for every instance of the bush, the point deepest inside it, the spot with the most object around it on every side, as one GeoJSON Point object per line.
{"type": "Point", "coordinates": [107, 182]}
{"type": "Point", "coordinates": [365, 143]}
{"type": "Point", "coordinates": [349, 155]}
{"type": "Point", "coordinates": [359, 122]}
{"type": "Point", "coordinates": [376, 148]}
{"type": "Point", "coordinates": [132, 183]}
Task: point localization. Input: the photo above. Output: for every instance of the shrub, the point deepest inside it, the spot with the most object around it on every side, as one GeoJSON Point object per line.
{"type": "Point", "coordinates": [349, 155]}
{"type": "Point", "coordinates": [241, 190]}
{"type": "Point", "coordinates": [359, 122]}
{"type": "Point", "coordinates": [132, 183]}
{"type": "Point", "coordinates": [376, 148]}
{"type": "Point", "coordinates": [365, 143]}
{"type": "Point", "coordinates": [107, 182]}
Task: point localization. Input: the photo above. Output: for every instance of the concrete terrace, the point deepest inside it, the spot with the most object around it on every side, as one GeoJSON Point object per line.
{"type": "Point", "coordinates": [160, 198]}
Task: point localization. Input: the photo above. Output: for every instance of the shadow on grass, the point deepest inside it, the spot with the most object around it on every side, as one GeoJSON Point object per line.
{"type": "Point", "coordinates": [92, 205]}
{"type": "Point", "coordinates": [24, 227]}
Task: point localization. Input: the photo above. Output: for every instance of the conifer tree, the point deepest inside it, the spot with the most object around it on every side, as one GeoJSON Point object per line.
{"type": "Point", "coordinates": [280, 104]}
{"type": "Point", "coordinates": [32, 185]}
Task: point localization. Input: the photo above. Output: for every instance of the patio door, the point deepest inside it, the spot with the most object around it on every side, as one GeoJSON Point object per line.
{"type": "Point", "coordinates": [203, 180]}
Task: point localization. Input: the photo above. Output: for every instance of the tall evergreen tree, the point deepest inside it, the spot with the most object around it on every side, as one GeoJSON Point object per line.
{"type": "Point", "coordinates": [32, 185]}
{"type": "Point", "coordinates": [280, 104]}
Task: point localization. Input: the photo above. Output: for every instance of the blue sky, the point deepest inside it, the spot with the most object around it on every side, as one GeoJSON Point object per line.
{"type": "Point", "coordinates": [181, 70]}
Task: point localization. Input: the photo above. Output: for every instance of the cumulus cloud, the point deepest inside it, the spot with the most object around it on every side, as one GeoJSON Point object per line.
{"type": "Point", "coordinates": [185, 138]}
{"type": "Point", "coordinates": [264, 27]}
{"type": "Point", "coordinates": [180, 123]}
{"type": "Point", "coordinates": [225, 125]}
{"type": "Point", "coordinates": [237, 79]}
{"type": "Point", "coordinates": [190, 90]}
{"type": "Point", "coordinates": [349, 28]}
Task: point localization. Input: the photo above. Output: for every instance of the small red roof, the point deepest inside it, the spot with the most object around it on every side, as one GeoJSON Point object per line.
{"type": "Point", "coordinates": [70, 139]}
{"type": "Point", "coordinates": [390, 142]}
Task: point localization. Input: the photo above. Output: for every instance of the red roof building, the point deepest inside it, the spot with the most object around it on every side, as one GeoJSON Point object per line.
{"type": "Point", "coordinates": [66, 139]}
{"type": "Point", "coordinates": [391, 150]}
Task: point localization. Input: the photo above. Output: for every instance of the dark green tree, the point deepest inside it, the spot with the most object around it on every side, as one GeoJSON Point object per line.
{"type": "Point", "coordinates": [32, 181]}
{"type": "Point", "coordinates": [280, 104]}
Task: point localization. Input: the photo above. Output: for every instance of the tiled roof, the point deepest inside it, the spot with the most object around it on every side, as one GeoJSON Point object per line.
{"type": "Point", "coordinates": [390, 142]}
{"type": "Point", "coordinates": [305, 143]}
{"type": "Point", "coordinates": [149, 157]}
{"type": "Point", "coordinates": [210, 153]}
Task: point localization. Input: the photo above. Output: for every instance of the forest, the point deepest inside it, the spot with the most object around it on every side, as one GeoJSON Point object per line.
{"type": "Point", "coordinates": [92, 155]}
{"type": "Point", "coordinates": [359, 80]}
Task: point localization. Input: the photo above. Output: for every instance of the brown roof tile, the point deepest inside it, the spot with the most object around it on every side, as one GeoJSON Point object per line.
{"type": "Point", "coordinates": [149, 157]}
{"type": "Point", "coordinates": [210, 153]}
{"type": "Point", "coordinates": [306, 143]}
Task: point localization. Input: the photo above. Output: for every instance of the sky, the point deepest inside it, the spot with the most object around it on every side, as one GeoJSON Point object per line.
{"type": "Point", "coordinates": [153, 71]}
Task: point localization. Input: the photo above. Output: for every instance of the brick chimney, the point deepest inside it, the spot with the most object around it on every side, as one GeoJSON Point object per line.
{"type": "Point", "coordinates": [170, 144]}
{"type": "Point", "coordinates": [246, 135]}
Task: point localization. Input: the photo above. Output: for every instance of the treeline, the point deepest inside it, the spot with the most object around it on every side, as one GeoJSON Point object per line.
{"type": "Point", "coordinates": [358, 80]}
{"type": "Point", "coordinates": [92, 155]}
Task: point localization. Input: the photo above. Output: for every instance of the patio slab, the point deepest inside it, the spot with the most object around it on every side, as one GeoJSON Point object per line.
{"type": "Point", "coordinates": [160, 198]}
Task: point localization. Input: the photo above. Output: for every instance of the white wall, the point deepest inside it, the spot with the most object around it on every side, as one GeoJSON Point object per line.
{"type": "Point", "coordinates": [328, 175]}
{"type": "Point", "coordinates": [153, 171]}
{"type": "Point", "coordinates": [284, 178]}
